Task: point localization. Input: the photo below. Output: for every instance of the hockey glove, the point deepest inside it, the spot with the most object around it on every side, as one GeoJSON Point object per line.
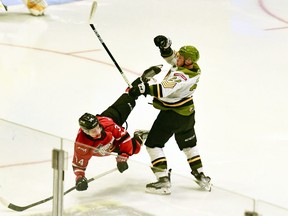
{"type": "Point", "coordinates": [81, 184]}
{"type": "Point", "coordinates": [136, 82]}
{"type": "Point", "coordinates": [164, 45]}
{"type": "Point", "coordinates": [122, 164]}
{"type": "Point", "coordinates": [151, 72]}
{"type": "Point", "coordinates": [162, 42]}
{"type": "Point", "coordinates": [136, 91]}
{"type": "Point", "coordinates": [147, 75]}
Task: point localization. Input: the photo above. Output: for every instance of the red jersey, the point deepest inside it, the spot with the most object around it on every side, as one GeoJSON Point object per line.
{"type": "Point", "coordinates": [112, 136]}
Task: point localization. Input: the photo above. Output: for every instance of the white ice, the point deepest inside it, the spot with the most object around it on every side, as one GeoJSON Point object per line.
{"type": "Point", "coordinates": [53, 69]}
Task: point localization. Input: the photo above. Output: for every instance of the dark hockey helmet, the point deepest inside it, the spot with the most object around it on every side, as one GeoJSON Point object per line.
{"type": "Point", "coordinates": [189, 52]}
{"type": "Point", "coordinates": [88, 121]}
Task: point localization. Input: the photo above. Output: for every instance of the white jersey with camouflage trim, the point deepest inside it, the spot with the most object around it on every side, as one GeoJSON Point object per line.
{"type": "Point", "coordinates": [179, 82]}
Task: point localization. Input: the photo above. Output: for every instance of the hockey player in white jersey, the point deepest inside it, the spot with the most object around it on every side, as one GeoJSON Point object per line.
{"type": "Point", "coordinates": [35, 7]}
{"type": "Point", "coordinates": [173, 97]}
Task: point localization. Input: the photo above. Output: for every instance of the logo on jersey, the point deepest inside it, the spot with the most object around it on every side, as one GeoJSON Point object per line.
{"type": "Point", "coordinates": [180, 75]}
{"type": "Point", "coordinates": [103, 149]}
{"type": "Point", "coordinates": [82, 149]}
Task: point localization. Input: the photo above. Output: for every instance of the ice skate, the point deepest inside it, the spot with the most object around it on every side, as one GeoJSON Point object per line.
{"type": "Point", "coordinates": [162, 186]}
{"type": "Point", "coordinates": [36, 7]}
{"type": "Point", "coordinates": [203, 181]}
{"type": "Point", "coordinates": [141, 135]}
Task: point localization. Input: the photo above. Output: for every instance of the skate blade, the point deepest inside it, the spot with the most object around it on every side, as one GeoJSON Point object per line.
{"type": "Point", "coordinates": [162, 191]}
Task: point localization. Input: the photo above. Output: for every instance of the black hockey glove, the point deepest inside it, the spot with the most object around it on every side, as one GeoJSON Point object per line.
{"type": "Point", "coordinates": [136, 82]}
{"type": "Point", "coordinates": [122, 164]}
{"type": "Point", "coordinates": [81, 184]}
{"type": "Point", "coordinates": [162, 42]}
{"type": "Point", "coordinates": [164, 45]}
{"type": "Point", "coordinates": [137, 90]}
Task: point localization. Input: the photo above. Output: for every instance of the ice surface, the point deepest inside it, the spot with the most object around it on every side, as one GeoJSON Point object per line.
{"type": "Point", "coordinates": [53, 69]}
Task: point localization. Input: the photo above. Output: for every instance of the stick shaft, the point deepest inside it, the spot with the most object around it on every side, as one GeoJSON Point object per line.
{"type": "Point", "coordinates": [92, 12]}
{"type": "Point", "coordinates": [109, 53]}
{"type": "Point", "coordinates": [22, 208]}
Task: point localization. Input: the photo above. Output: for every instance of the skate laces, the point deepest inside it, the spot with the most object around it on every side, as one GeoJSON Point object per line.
{"type": "Point", "coordinates": [162, 182]}
{"type": "Point", "coordinates": [202, 177]}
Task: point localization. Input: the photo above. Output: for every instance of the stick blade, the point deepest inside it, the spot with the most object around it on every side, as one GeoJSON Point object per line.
{"type": "Point", "coordinates": [16, 208]}
{"type": "Point", "coordinates": [92, 11]}
{"type": "Point", "coordinates": [11, 206]}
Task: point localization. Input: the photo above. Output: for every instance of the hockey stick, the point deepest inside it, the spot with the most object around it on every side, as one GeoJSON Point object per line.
{"type": "Point", "coordinates": [4, 6]}
{"type": "Point", "coordinates": [22, 208]}
{"type": "Point", "coordinates": [92, 12]}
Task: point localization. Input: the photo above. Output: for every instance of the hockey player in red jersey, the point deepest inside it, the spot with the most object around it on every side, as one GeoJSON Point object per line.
{"type": "Point", "coordinates": [99, 135]}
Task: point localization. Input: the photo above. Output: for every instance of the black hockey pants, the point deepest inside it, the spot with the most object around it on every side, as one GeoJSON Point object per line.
{"type": "Point", "coordinates": [120, 109]}
{"type": "Point", "coordinates": [169, 123]}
